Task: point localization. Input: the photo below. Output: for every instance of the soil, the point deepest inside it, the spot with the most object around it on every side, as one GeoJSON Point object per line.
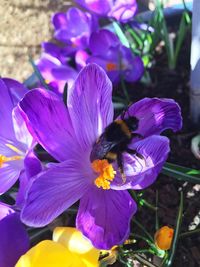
{"type": "Point", "coordinates": [173, 84]}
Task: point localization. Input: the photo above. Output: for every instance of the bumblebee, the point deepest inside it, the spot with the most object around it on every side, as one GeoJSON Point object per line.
{"type": "Point", "coordinates": [115, 140]}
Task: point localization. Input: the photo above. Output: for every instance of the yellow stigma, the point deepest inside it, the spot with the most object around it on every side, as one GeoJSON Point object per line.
{"type": "Point", "coordinates": [4, 159]}
{"type": "Point", "coordinates": [105, 171]}
{"type": "Point", "coordinates": [111, 66]}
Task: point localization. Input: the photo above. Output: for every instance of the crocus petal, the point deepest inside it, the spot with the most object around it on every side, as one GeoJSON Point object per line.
{"type": "Point", "coordinates": [59, 20]}
{"type": "Point", "coordinates": [90, 104]}
{"type": "Point", "coordinates": [156, 115]}
{"type": "Point", "coordinates": [140, 173]}
{"type": "Point", "coordinates": [123, 10]}
{"type": "Point", "coordinates": [6, 105]}
{"type": "Point", "coordinates": [48, 120]}
{"type": "Point", "coordinates": [21, 132]}
{"type": "Point", "coordinates": [17, 90]}
{"type": "Point", "coordinates": [53, 191]}
{"type": "Point", "coordinates": [81, 59]}
{"type": "Point", "coordinates": [136, 71]}
{"type": "Point", "coordinates": [104, 216]}
{"type": "Point", "coordinates": [14, 240]}
{"type": "Point", "coordinates": [99, 7]}
{"type": "Point", "coordinates": [9, 174]}
{"type": "Point", "coordinates": [32, 166]}
{"type": "Point", "coordinates": [101, 41]}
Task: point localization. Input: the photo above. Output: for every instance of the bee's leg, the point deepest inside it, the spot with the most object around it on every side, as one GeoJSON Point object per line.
{"type": "Point", "coordinates": [121, 167]}
{"type": "Point", "coordinates": [134, 135]}
{"type": "Point", "coordinates": [134, 152]}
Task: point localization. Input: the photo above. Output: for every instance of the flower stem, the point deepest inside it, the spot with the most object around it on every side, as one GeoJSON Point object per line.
{"type": "Point", "coordinates": [143, 229]}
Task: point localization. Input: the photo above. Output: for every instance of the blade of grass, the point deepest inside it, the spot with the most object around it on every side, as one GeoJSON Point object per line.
{"type": "Point", "coordinates": [157, 219]}
{"type": "Point", "coordinates": [192, 232]}
{"type": "Point", "coordinates": [38, 74]}
{"type": "Point", "coordinates": [143, 229]}
{"type": "Point", "coordinates": [120, 34]}
{"type": "Point", "coordinates": [176, 232]}
{"type": "Point", "coordinates": [181, 173]}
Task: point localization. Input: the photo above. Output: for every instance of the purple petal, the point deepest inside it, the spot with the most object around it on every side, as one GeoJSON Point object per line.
{"type": "Point", "coordinates": [123, 10]}
{"type": "Point", "coordinates": [48, 120]}
{"type": "Point", "coordinates": [64, 73]}
{"type": "Point", "coordinates": [14, 240]}
{"type": "Point", "coordinates": [17, 90]}
{"type": "Point", "coordinates": [135, 71]}
{"type": "Point", "coordinates": [21, 132]}
{"type": "Point", "coordinates": [104, 216]}
{"type": "Point", "coordinates": [53, 191]}
{"type": "Point", "coordinates": [32, 166]}
{"type": "Point", "coordinates": [9, 173]}
{"type": "Point", "coordinates": [90, 104]}
{"type": "Point", "coordinates": [51, 49]}
{"type": "Point", "coordinates": [59, 20]}
{"type": "Point", "coordinates": [141, 173]}
{"type": "Point", "coordinates": [101, 41]}
{"type": "Point", "coordinates": [6, 105]}
{"type": "Point", "coordinates": [96, 6]}
{"type": "Point", "coordinates": [156, 115]}
{"type": "Point", "coordinates": [81, 58]}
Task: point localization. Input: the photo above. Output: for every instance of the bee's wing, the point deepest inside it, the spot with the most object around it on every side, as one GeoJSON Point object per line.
{"type": "Point", "coordinates": [101, 148]}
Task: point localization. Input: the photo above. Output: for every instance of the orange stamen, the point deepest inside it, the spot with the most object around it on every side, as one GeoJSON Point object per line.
{"type": "Point", "coordinates": [4, 159]}
{"type": "Point", "coordinates": [111, 66]}
{"type": "Point", "coordinates": [105, 171]}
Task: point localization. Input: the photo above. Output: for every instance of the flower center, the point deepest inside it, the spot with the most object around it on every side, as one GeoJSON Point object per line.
{"type": "Point", "coordinates": [4, 159]}
{"type": "Point", "coordinates": [105, 171]}
{"type": "Point", "coordinates": [111, 66]}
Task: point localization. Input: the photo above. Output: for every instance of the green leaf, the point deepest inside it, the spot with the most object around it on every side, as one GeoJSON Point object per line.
{"type": "Point", "coordinates": [121, 34]}
{"type": "Point", "coordinates": [38, 74]}
{"type": "Point", "coordinates": [181, 173]}
{"type": "Point", "coordinates": [176, 232]}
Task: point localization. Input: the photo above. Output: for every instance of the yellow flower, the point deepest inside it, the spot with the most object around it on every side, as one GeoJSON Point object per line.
{"type": "Point", "coordinates": [69, 248]}
{"type": "Point", "coordinates": [163, 237]}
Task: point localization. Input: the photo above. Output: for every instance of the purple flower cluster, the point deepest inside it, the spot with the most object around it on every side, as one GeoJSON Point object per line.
{"type": "Point", "coordinates": [82, 41]}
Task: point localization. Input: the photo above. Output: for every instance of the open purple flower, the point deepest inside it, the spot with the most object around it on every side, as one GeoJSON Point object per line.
{"type": "Point", "coordinates": [121, 10]}
{"type": "Point", "coordinates": [74, 27]}
{"type": "Point", "coordinates": [55, 73]}
{"type": "Point", "coordinates": [14, 241]}
{"type": "Point", "coordinates": [16, 143]}
{"type": "Point", "coordinates": [69, 134]}
{"type": "Point", "coordinates": [116, 59]}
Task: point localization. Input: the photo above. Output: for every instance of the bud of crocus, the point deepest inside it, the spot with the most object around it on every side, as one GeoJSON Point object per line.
{"type": "Point", "coordinates": [163, 237]}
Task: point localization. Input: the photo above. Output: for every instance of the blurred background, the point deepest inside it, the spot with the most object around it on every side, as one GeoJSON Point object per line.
{"type": "Point", "coordinates": [27, 23]}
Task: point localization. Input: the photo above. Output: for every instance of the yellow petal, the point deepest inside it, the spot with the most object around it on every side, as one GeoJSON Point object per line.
{"type": "Point", "coordinates": [48, 254]}
{"type": "Point", "coordinates": [163, 237]}
{"type": "Point", "coordinates": [77, 244]}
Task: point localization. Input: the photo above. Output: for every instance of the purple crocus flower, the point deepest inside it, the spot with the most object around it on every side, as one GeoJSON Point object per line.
{"type": "Point", "coordinates": [14, 241]}
{"type": "Point", "coordinates": [74, 27]}
{"type": "Point", "coordinates": [121, 10]}
{"type": "Point", "coordinates": [16, 143]}
{"type": "Point", "coordinates": [116, 59]}
{"type": "Point", "coordinates": [55, 73]}
{"type": "Point", "coordinates": [69, 133]}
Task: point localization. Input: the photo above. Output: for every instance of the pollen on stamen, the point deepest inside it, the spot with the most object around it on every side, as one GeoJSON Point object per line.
{"type": "Point", "coordinates": [111, 66]}
{"type": "Point", "coordinates": [105, 171]}
{"type": "Point", "coordinates": [4, 159]}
